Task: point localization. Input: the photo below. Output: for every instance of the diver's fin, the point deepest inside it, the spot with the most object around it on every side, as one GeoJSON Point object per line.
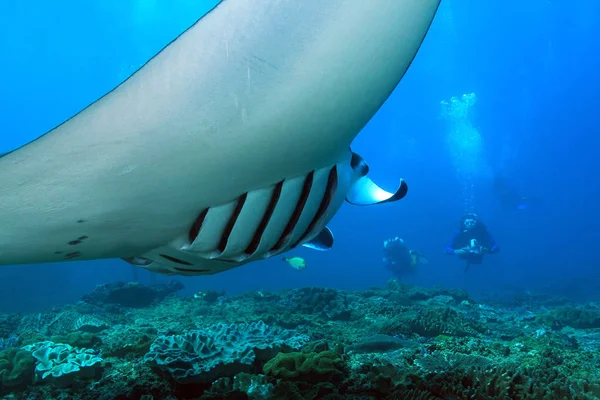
{"type": "Point", "coordinates": [322, 242]}
{"type": "Point", "coordinates": [365, 193]}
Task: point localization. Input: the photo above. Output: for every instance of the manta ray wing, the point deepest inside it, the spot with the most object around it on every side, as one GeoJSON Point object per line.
{"type": "Point", "coordinates": [255, 94]}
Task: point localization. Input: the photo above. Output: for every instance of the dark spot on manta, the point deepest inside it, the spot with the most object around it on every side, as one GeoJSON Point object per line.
{"type": "Point", "coordinates": [58, 252]}
{"type": "Point", "coordinates": [81, 221]}
{"type": "Point", "coordinates": [72, 255]}
{"type": "Point", "coordinates": [78, 240]}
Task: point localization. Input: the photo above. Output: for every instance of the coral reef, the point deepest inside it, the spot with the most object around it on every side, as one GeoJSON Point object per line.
{"type": "Point", "coordinates": [131, 341]}
{"type": "Point", "coordinates": [220, 350]}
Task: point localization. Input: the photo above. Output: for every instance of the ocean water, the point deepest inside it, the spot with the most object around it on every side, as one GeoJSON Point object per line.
{"type": "Point", "coordinates": [531, 69]}
{"type": "Point", "coordinates": [497, 89]}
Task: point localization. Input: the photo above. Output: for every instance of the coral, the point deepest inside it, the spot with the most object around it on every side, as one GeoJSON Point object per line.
{"type": "Point", "coordinates": [442, 362]}
{"type": "Point", "coordinates": [378, 344]}
{"type": "Point", "coordinates": [209, 296]}
{"type": "Point", "coordinates": [75, 339]}
{"type": "Point", "coordinates": [255, 387]}
{"type": "Point", "coordinates": [8, 324]}
{"type": "Point", "coordinates": [89, 324]}
{"type": "Point", "coordinates": [410, 394]}
{"type": "Point", "coordinates": [310, 367]}
{"type": "Point", "coordinates": [201, 356]}
{"type": "Point", "coordinates": [16, 369]}
{"type": "Point", "coordinates": [10, 341]}
{"type": "Point", "coordinates": [439, 345]}
{"type": "Point", "coordinates": [581, 318]}
{"type": "Point", "coordinates": [124, 341]}
{"type": "Point", "coordinates": [131, 294]}
{"type": "Point", "coordinates": [332, 304]}
{"type": "Point", "coordinates": [494, 383]}
{"type": "Point", "coordinates": [59, 322]}
{"type": "Point", "coordinates": [444, 321]}
{"type": "Point", "coordinates": [62, 363]}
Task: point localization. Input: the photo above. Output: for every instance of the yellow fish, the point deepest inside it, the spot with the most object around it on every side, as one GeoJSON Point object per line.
{"type": "Point", "coordinates": [296, 262]}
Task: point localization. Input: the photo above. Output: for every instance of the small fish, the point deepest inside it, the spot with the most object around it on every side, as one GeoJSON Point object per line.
{"type": "Point", "coordinates": [296, 262]}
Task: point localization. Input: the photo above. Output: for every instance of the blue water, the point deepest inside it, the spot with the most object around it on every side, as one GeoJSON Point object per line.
{"type": "Point", "coordinates": [532, 67]}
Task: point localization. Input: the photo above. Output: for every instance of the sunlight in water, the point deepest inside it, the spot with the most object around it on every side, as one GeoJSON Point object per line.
{"type": "Point", "coordinates": [464, 143]}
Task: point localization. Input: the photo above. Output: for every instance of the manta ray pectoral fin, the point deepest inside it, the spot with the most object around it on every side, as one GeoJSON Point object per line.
{"type": "Point", "coordinates": [322, 242]}
{"type": "Point", "coordinates": [365, 192]}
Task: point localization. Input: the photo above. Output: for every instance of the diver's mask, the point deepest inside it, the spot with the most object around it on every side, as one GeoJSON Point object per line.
{"type": "Point", "coordinates": [469, 224]}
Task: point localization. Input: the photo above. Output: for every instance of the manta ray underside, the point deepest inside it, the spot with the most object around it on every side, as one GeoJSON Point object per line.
{"type": "Point", "coordinates": [230, 145]}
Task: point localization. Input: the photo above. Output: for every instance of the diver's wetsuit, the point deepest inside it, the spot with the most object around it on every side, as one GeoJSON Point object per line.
{"type": "Point", "coordinates": [461, 239]}
{"type": "Point", "coordinates": [397, 259]}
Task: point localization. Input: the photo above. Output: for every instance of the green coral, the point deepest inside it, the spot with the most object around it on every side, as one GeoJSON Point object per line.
{"type": "Point", "coordinates": [311, 367]}
{"type": "Point", "coordinates": [16, 369]}
{"type": "Point", "coordinates": [580, 318]}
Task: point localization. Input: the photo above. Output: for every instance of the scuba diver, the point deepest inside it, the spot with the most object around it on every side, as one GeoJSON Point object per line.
{"type": "Point", "coordinates": [510, 199]}
{"type": "Point", "coordinates": [399, 259]}
{"type": "Point", "coordinates": [471, 241]}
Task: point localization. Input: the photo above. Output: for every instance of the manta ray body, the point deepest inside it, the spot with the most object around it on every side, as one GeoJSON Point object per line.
{"type": "Point", "coordinates": [230, 145]}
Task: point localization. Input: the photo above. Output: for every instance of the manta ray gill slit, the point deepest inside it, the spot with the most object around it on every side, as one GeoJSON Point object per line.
{"type": "Point", "coordinates": [332, 183]}
{"type": "Point", "coordinates": [254, 243]}
{"type": "Point", "coordinates": [308, 181]}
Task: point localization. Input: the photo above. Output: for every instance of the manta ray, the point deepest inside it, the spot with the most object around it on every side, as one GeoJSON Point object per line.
{"type": "Point", "coordinates": [232, 144]}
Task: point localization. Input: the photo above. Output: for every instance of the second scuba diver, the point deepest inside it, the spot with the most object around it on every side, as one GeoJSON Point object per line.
{"type": "Point", "coordinates": [471, 241]}
{"type": "Point", "coordinates": [399, 259]}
